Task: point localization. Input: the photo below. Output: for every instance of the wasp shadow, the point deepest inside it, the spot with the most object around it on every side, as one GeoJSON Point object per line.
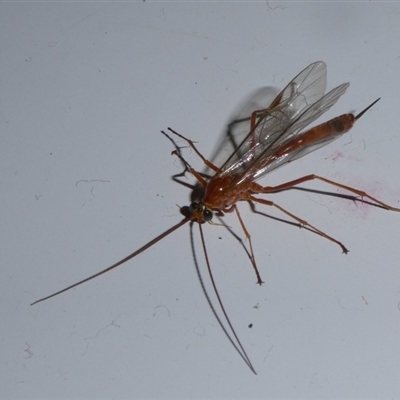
{"type": "Point", "coordinates": [237, 128]}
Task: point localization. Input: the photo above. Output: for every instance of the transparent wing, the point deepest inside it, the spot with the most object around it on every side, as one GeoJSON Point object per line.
{"type": "Point", "coordinates": [279, 151]}
{"type": "Point", "coordinates": [304, 90]}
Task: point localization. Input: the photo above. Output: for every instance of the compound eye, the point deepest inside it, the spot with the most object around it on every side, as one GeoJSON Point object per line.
{"type": "Point", "coordinates": [207, 215]}
{"type": "Point", "coordinates": [193, 207]}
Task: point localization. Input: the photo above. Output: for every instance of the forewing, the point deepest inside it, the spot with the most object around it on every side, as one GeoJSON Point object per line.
{"type": "Point", "coordinates": [274, 154]}
{"type": "Point", "coordinates": [309, 84]}
{"type": "Point", "coordinates": [272, 123]}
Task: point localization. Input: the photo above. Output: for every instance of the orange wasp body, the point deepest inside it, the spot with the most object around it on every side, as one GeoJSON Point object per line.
{"type": "Point", "coordinates": [275, 138]}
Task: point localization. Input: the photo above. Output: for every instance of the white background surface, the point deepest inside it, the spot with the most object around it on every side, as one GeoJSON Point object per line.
{"type": "Point", "coordinates": [86, 89]}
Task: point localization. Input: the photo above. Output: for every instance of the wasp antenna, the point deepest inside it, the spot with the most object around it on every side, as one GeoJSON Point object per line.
{"type": "Point", "coordinates": [364, 111]}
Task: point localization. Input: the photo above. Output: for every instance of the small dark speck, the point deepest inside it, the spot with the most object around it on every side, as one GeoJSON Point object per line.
{"type": "Point", "coordinates": [220, 238]}
{"type": "Point", "coordinates": [250, 325]}
{"type": "Point", "coordinates": [29, 59]}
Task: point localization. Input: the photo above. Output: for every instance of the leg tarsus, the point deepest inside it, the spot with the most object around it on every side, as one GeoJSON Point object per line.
{"type": "Point", "coordinates": [208, 163]}
{"type": "Point", "coordinates": [248, 237]}
{"type": "Point", "coordinates": [288, 185]}
{"type": "Point", "coordinates": [300, 221]}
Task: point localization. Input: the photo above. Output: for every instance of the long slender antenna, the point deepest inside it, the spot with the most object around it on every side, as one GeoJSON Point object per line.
{"type": "Point", "coordinates": [238, 347]}
{"type": "Point", "coordinates": [117, 264]}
